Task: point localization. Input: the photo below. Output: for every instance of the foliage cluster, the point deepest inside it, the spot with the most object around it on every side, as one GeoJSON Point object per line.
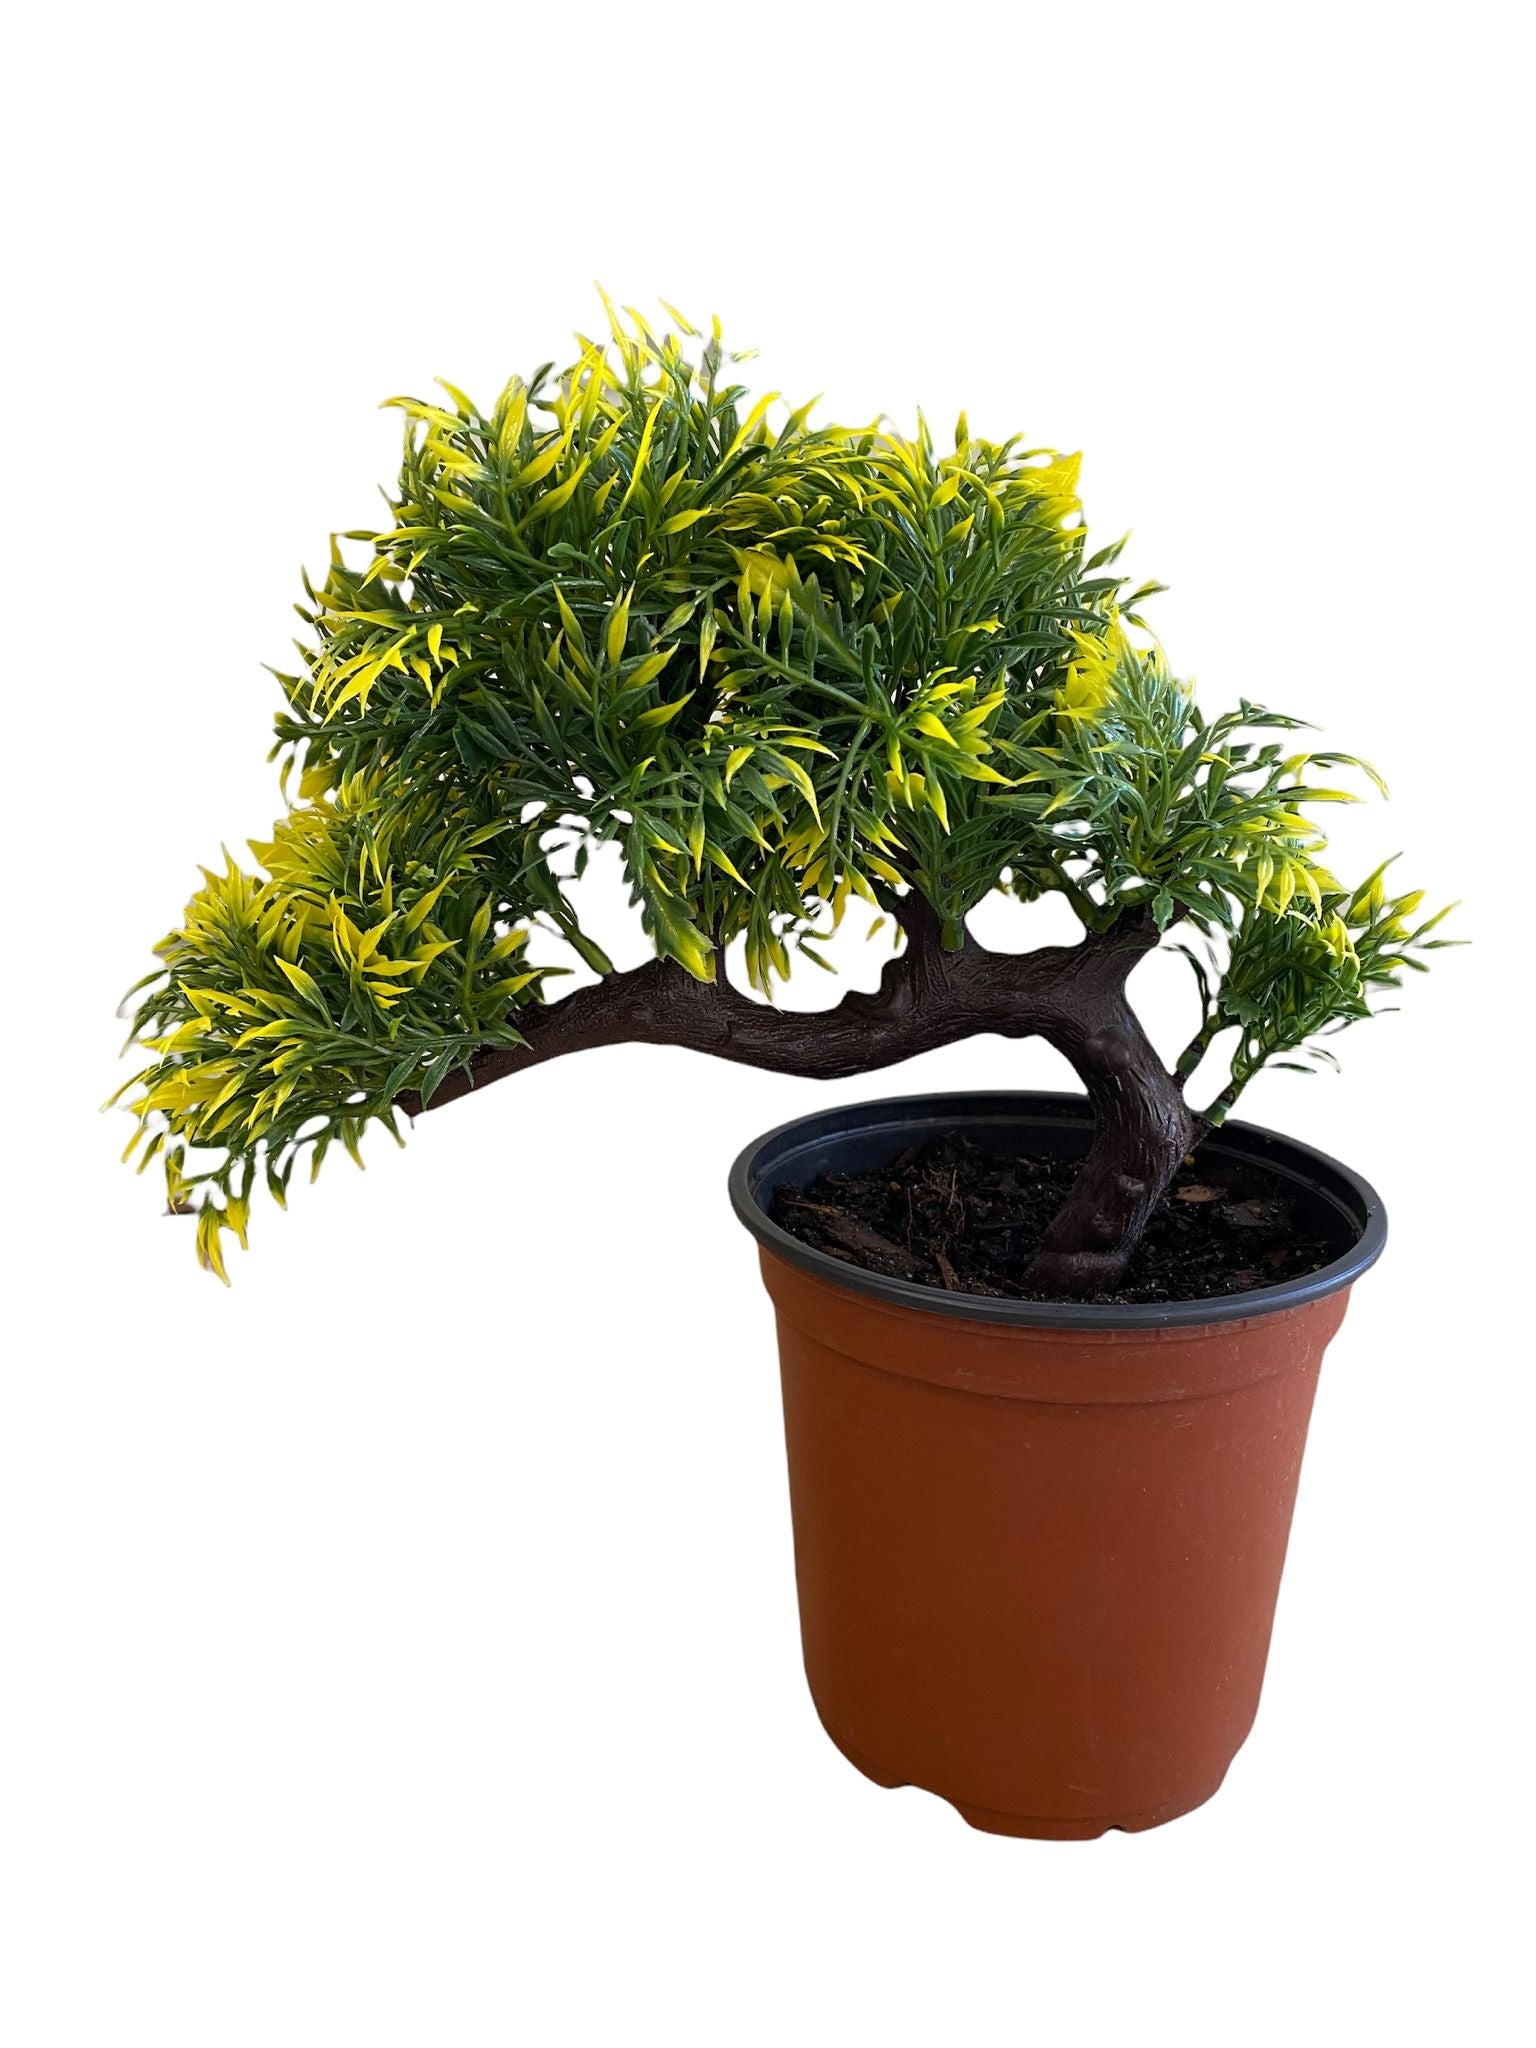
{"type": "Point", "coordinates": [777, 665]}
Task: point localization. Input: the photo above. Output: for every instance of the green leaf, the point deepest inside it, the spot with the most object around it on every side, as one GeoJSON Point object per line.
{"type": "Point", "coordinates": [437, 1072]}
{"type": "Point", "coordinates": [663, 714]}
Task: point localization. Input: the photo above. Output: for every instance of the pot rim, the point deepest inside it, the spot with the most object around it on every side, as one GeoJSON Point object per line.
{"type": "Point", "coordinates": [768, 1163]}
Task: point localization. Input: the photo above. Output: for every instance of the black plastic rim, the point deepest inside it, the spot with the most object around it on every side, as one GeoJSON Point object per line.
{"type": "Point", "coordinates": [864, 1134]}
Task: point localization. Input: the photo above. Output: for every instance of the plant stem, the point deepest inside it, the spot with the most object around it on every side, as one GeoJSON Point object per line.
{"type": "Point", "coordinates": [1072, 996]}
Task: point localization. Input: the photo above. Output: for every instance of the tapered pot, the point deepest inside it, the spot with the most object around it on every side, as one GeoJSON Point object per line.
{"type": "Point", "coordinates": [1038, 1546]}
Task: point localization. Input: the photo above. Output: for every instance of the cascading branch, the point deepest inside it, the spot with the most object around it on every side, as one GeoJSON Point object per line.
{"type": "Point", "coordinates": [778, 666]}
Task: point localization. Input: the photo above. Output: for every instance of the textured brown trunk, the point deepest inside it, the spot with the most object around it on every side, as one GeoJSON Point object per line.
{"type": "Point", "coordinates": [1073, 996]}
{"type": "Point", "coordinates": [1142, 1130]}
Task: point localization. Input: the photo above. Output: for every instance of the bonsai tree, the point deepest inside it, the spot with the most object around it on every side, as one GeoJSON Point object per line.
{"type": "Point", "coordinates": [779, 666]}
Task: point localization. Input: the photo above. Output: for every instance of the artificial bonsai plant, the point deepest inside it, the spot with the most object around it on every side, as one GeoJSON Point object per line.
{"type": "Point", "coordinates": [779, 666]}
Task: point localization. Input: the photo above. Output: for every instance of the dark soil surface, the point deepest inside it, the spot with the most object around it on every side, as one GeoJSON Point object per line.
{"type": "Point", "coordinates": [946, 1215]}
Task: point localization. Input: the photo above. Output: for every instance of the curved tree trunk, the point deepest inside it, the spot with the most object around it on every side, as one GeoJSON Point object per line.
{"type": "Point", "coordinates": [1073, 996]}
{"type": "Point", "coordinates": [1142, 1130]}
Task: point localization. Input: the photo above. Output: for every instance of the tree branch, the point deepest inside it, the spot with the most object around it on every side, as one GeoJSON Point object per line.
{"type": "Point", "coordinates": [926, 998]}
{"type": "Point", "coordinates": [1073, 996]}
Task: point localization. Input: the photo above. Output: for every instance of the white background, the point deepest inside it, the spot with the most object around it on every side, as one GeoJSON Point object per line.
{"type": "Point", "coordinates": [401, 1647]}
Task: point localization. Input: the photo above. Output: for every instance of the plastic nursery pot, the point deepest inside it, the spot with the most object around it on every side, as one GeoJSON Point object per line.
{"type": "Point", "coordinates": [1038, 1545]}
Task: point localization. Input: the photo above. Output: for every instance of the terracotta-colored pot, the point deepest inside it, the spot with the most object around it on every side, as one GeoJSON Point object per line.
{"type": "Point", "coordinates": [1038, 1545]}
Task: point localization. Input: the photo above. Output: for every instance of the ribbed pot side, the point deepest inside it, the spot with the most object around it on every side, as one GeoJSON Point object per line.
{"type": "Point", "coordinates": [1038, 1567]}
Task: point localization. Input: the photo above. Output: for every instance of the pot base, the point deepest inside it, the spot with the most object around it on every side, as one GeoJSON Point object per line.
{"type": "Point", "coordinates": [1028, 1826]}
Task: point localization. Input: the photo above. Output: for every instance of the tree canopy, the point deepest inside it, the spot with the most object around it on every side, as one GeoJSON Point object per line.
{"type": "Point", "coordinates": [777, 665]}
